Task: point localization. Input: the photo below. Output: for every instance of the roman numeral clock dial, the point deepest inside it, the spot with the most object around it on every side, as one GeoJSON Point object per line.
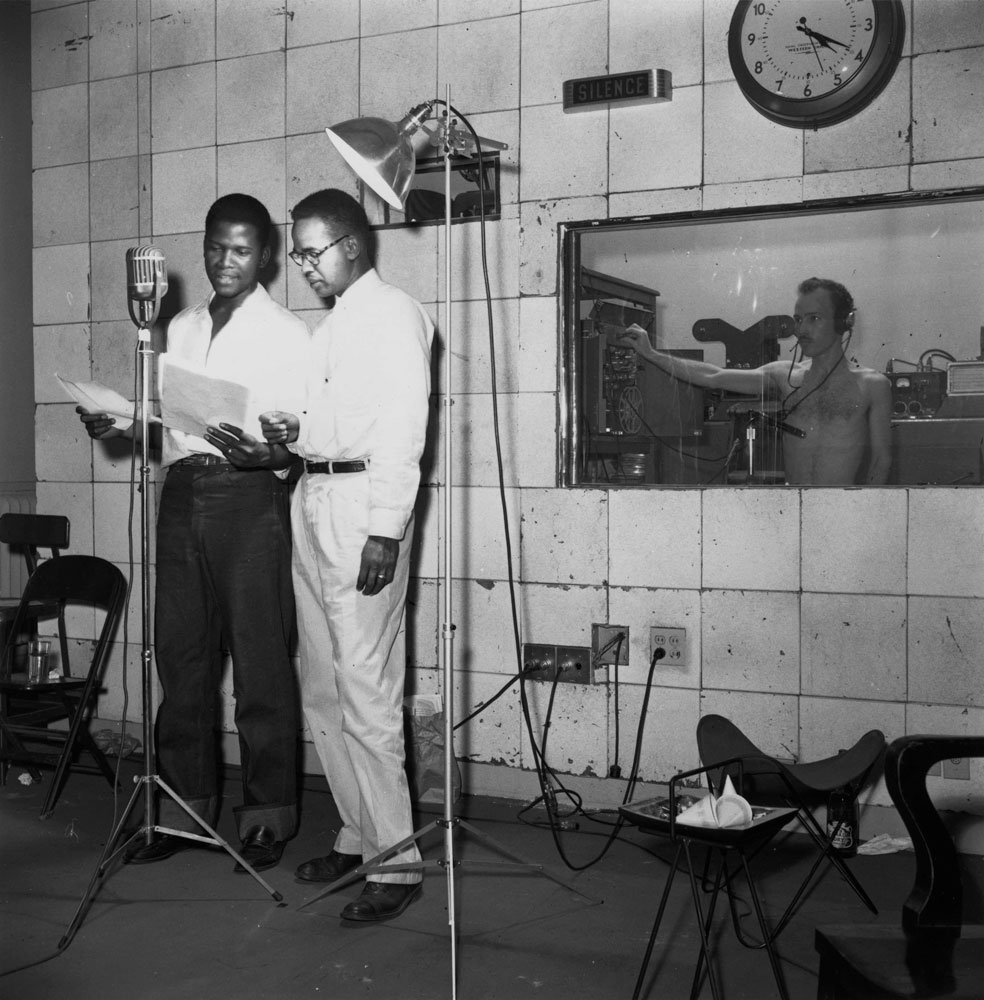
{"type": "Point", "coordinates": [813, 63]}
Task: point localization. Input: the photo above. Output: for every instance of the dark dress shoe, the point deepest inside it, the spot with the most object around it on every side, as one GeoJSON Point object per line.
{"type": "Point", "coordinates": [261, 849]}
{"type": "Point", "coordinates": [159, 849]}
{"type": "Point", "coordinates": [329, 868]}
{"type": "Point", "coordinates": [381, 901]}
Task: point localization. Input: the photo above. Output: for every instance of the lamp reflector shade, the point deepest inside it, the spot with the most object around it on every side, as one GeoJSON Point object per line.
{"type": "Point", "coordinates": [379, 152]}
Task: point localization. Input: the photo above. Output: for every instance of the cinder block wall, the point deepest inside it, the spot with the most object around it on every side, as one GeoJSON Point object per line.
{"type": "Point", "coordinates": [811, 615]}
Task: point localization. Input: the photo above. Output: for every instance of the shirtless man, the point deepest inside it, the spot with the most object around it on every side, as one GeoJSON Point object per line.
{"type": "Point", "coordinates": [843, 412]}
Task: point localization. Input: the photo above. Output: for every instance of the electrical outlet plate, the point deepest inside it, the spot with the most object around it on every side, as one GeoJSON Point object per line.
{"type": "Point", "coordinates": [957, 767]}
{"type": "Point", "coordinates": [574, 664]}
{"type": "Point", "coordinates": [539, 662]}
{"type": "Point", "coordinates": [605, 645]}
{"type": "Point", "coordinates": [673, 641]}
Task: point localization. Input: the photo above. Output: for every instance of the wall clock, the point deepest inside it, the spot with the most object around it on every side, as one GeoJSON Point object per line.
{"type": "Point", "coordinates": [812, 63]}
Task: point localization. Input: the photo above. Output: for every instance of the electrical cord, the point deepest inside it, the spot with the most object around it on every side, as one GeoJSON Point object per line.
{"type": "Point", "coordinates": [615, 770]}
{"type": "Point", "coordinates": [785, 414]}
{"type": "Point", "coordinates": [131, 564]}
{"type": "Point", "coordinates": [545, 774]}
{"type": "Point", "coordinates": [616, 829]}
{"type": "Point", "coordinates": [485, 704]}
{"type": "Point", "coordinates": [514, 612]}
{"type": "Point", "coordinates": [511, 580]}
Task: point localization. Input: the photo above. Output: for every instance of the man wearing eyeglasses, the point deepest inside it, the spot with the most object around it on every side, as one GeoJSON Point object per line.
{"type": "Point", "coordinates": [361, 437]}
{"type": "Point", "coordinates": [223, 555]}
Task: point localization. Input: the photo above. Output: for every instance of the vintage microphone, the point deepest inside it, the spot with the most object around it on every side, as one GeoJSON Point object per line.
{"type": "Point", "coordinates": [146, 283]}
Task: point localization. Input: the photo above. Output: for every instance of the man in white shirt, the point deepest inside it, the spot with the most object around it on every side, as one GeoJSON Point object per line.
{"type": "Point", "coordinates": [361, 436]}
{"type": "Point", "coordinates": [223, 554]}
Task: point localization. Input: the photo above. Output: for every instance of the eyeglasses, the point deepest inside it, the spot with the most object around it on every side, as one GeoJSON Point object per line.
{"type": "Point", "coordinates": [313, 256]}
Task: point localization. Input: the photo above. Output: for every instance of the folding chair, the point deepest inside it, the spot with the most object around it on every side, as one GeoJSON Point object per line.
{"type": "Point", "coordinates": [29, 533]}
{"type": "Point", "coordinates": [69, 580]}
{"type": "Point", "coordinates": [769, 781]}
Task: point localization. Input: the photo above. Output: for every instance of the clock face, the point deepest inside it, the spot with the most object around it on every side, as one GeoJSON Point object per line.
{"type": "Point", "coordinates": [811, 63]}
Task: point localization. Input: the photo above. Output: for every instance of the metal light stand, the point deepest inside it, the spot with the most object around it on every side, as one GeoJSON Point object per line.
{"type": "Point", "coordinates": [449, 822]}
{"type": "Point", "coordinates": [149, 780]}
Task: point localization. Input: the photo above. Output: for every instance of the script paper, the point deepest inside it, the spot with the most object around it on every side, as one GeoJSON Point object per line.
{"type": "Point", "coordinates": [98, 398]}
{"type": "Point", "coordinates": [192, 401]}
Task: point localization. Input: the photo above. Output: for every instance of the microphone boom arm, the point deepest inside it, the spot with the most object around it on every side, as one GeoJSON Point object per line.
{"type": "Point", "coordinates": [771, 420]}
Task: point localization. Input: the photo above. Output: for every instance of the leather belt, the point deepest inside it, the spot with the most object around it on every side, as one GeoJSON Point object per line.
{"type": "Point", "coordinates": [200, 458]}
{"type": "Point", "coordinates": [336, 467]}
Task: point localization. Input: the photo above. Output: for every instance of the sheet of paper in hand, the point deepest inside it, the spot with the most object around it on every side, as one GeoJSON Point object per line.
{"type": "Point", "coordinates": [192, 400]}
{"type": "Point", "coordinates": [98, 398]}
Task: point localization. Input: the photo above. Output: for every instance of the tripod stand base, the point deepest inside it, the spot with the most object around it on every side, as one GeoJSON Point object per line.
{"type": "Point", "coordinates": [111, 851]}
{"type": "Point", "coordinates": [450, 826]}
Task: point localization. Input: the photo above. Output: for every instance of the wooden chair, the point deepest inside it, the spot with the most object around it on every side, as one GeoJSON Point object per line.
{"type": "Point", "coordinates": [86, 581]}
{"type": "Point", "coordinates": [932, 953]}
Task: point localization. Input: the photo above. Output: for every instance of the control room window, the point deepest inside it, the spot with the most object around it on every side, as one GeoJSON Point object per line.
{"type": "Point", "coordinates": [721, 288]}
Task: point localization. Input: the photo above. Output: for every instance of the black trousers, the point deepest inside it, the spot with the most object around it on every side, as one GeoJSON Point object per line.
{"type": "Point", "coordinates": [223, 582]}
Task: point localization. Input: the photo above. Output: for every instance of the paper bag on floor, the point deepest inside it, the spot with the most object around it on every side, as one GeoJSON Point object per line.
{"type": "Point", "coordinates": [424, 719]}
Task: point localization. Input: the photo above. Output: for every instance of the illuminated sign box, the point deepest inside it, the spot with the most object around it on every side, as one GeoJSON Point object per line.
{"type": "Point", "coordinates": [643, 87]}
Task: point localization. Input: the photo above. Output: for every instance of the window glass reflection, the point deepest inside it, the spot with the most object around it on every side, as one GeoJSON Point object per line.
{"type": "Point", "coordinates": [697, 355]}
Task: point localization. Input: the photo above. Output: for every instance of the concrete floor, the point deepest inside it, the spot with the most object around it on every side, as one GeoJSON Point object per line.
{"type": "Point", "coordinates": [190, 928]}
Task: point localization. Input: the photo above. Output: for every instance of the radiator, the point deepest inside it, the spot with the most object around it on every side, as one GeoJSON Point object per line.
{"type": "Point", "coordinates": [13, 568]}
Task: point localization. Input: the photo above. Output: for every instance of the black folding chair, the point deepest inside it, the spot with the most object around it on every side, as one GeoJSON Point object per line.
{"type": "Point", "coordinates": [85, 581]}
{"type": "Point", "coordinates": [29, 533]}
{"type": "Point", "coordinates": [769, 781]}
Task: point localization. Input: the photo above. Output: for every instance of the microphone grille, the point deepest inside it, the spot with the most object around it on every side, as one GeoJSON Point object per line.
{"type": "Point", "coordinates": [146, 264]}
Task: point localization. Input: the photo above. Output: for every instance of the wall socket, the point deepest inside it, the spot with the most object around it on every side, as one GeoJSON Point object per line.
{"type": "Point", "coordinates": [568, 664]}
{"type": "Point", "coordinates": [574, 664]}
{"type": "Point", "coordinates": [539, 662]}
{"type": "Point", "coordinates": [605, 645]}
{"type": "Point", "coordinates": [673, 641]}
{"type": "Point", "coordinates": [957, 769]}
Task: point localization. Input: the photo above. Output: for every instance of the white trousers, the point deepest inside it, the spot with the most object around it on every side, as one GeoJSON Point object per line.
{"type": "Point", "coordinates": [352, 667]}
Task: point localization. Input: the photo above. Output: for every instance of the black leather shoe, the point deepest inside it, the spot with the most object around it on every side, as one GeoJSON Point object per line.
{"type": "Point", "coordinates": [261, 849]}
{"type": "Point", "coordinates": [159, 849]}
{"type": "Point", "coordinates": [380, 901]}
{"type": "Point", "coordinates": [329, 868]}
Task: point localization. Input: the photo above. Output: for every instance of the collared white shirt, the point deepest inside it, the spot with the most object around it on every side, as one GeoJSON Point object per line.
{"type": "Point", "coordinates": [263, 346]}
{"type": "Point", "coordinates": [368, 394]}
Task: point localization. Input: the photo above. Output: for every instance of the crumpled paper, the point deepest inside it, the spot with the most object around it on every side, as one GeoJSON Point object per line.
{"type": "Point", "coordinates": [885, 844]}
{"type": "Point", "coordinates": [727, 810]}
{"type": "Point", "coordinates": [114, 744]}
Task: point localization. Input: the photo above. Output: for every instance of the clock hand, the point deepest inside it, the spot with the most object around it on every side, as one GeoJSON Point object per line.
{"type": "Point", "coordinates": [813, 45]}
{"type": "Point", "coordinates": [825, 40]}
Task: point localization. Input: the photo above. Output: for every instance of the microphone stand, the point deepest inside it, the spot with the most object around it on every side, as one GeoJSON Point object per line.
{"type": "Point", "coordinates": [145, 317]}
